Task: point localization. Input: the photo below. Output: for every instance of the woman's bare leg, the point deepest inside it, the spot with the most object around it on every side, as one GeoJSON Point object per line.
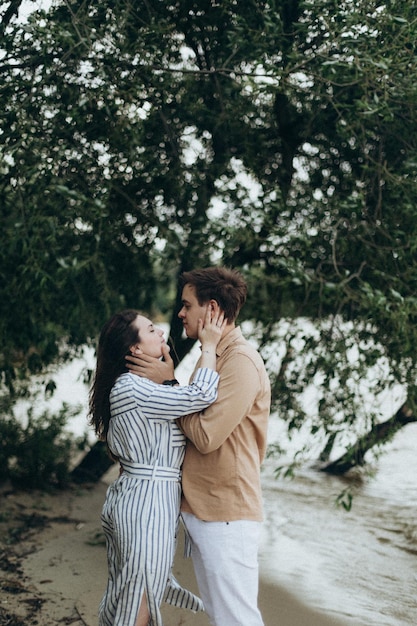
{"type": "Point", "coordinates": [143, 614]}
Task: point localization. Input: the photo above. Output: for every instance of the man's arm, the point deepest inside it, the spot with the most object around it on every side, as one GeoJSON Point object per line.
{"type": "Point", "coordinates": [238, 387]}
{"type": "Point", "coordinates": [151, 367]}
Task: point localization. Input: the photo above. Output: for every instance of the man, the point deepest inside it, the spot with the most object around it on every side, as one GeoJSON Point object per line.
{"type": "Point", "coordinates": [222, 500]}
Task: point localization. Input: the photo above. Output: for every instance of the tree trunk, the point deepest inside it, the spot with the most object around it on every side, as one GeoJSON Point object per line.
{"type": "Point", "coordinates": [379, 434]}
{"type": "Point", "coordinates": [93, 466]}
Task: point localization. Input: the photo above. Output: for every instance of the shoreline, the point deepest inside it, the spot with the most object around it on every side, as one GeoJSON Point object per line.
{"type": "Point", "coordinates": [53, 566]}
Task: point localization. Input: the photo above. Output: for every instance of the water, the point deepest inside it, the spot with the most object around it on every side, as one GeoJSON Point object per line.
{"type": "Point", "coordinates": [361, 564]}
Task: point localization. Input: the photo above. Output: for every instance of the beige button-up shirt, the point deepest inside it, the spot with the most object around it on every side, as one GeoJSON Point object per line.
{"type": "Point", "coordinates": [227, 441]}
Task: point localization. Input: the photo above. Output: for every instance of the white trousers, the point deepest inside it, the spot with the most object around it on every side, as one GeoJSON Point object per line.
{"type": "Point", "coordinates": [225, 559]}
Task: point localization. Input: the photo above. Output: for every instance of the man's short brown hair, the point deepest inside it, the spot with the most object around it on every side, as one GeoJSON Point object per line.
{"type": "Point", "coordinates": [226, 286]}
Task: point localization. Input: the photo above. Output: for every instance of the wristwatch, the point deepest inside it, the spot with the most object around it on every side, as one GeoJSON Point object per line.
{"type": "Point", "coordinates": [171, 383]}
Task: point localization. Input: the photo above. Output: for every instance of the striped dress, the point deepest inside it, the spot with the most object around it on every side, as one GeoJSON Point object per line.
{"type": "Point", "coordinates": [141, 512]}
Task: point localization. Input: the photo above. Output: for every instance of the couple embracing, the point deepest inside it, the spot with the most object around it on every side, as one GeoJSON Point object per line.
{"type": "Point", "coordinates": [193, 450]}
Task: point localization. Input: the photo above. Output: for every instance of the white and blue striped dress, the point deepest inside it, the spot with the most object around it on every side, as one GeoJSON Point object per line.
{"type": "Point", "coordinates": [141, 512]}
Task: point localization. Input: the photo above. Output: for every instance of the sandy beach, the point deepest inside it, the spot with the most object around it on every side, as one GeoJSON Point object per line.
{"type": "Point", "coordinates": [53, 566]}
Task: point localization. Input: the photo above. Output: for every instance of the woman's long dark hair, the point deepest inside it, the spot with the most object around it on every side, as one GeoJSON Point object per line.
{"type": "Point", "coordinates": [116, 338]}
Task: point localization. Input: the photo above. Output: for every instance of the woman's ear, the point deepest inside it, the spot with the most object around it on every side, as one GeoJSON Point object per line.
{"type": "Point", "coordinates": [136, 349]}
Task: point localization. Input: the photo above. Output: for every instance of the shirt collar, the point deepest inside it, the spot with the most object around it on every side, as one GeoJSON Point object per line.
{"type": "Point", "coordinates": [231, 337]}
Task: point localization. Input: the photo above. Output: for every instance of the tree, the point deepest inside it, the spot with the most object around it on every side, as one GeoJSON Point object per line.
{"type": "Point", "coordinates": [140, 139]}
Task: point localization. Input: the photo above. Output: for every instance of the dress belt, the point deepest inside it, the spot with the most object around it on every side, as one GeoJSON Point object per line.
{"type": "Point", "coordinates": [150, 472]}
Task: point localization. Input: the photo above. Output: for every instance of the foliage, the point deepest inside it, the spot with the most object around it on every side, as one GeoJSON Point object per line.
{"type": "Point", "coordinates": [38, 455]}
{"type": "Point", "coordinates": [345, 499]}
{"type": "Point", "coordinates": [139, 139]}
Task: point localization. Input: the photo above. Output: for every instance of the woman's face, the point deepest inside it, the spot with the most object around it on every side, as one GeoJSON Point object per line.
{"type": "Point", "coordinates": [151, 337]}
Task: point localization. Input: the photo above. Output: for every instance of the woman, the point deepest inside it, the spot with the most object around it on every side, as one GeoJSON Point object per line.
{"type": "Point", "coordinates": [136, 418]}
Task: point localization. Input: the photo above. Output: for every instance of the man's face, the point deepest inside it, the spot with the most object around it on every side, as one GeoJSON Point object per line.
{"type": "Point", "coordinates": [191, 311]}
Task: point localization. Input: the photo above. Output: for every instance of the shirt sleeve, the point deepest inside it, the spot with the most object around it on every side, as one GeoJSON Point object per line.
{"type": "Point", "coordinates": [162, 401]}
{"type": "Point", "coordinates": [238, 387]}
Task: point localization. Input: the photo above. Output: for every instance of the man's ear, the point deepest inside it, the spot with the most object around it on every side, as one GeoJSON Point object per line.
{"type": "Point", "coordinates": [214, 306]}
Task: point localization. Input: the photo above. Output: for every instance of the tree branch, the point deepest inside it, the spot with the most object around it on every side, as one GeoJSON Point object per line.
{"type": "Point", "coordinates": [379, 434]}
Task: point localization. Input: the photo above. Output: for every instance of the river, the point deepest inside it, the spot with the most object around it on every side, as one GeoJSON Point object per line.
{"type": "Point", "coordinates": [359, 564]}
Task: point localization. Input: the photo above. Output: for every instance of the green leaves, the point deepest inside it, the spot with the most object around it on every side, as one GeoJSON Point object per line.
{"type": "Point", "coordinates": [141, 139]}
